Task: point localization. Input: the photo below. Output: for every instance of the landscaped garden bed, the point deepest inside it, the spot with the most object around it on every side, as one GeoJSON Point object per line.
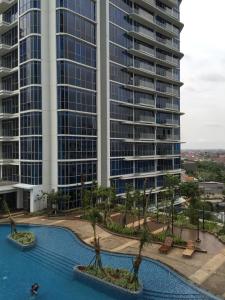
{"type": "Point", "coordinates": [120, 280]}
{"type": "Point", "coordinates": [24, 240]}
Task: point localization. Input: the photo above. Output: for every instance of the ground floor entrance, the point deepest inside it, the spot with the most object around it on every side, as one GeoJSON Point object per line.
{"type": "Point", "coordinates": [11, 199]}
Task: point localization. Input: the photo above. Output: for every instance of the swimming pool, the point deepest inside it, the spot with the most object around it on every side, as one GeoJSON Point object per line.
{"type": "Point", "coordinates": [51, 264]}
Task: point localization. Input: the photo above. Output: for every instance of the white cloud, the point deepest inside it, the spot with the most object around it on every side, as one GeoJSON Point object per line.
{"type": "Point", "coordinates": [203, 73]}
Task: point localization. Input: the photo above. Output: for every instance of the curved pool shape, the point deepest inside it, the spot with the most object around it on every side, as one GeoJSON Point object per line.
{"type": "Point", "coordinates": [51, 263]}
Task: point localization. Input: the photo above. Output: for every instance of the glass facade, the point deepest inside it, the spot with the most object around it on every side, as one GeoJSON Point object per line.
{"type": "Point", "coordinates": [144, 94]}
{"type": "Point", "coordinates": [30, 92]}
{"type": "Point", "coordinates": [76, 96]}
{"type": "Point", "coordinates": [140, 101]}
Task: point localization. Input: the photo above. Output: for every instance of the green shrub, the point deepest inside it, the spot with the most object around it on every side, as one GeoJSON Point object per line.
{"type": "Point", "coordinates": [117, 228]}
{"type": "Point", "coordinates": [211, 226]}
{"type": "Point", "coordinates": [222, 231]}
{"type": "Point", "coordinates": [222, 237]}
{"type": "Point", "coordinates": [160, 237]}
{"type": "Point", "coordinates": [119, 277]}
{"type": "Point", "coordinates": [24, 238]}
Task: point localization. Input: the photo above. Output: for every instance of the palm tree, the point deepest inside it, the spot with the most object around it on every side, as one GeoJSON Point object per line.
{"type": "Point", "coordinates": [95, 217]}
{"type": "Point", "coordinates": [86, 201]}
{"type": "Point", "coordinates": [12, 221]}
{"type": "Point", "coordinates": [138, 200]}
{"type": "Point", "coordinates": [172, 183]}
{"type": "Point", "coordinates": [181, 221]}
{"type": "Point", "coordinates": [109, 197]}
{"type": "Point", "coordinates": [128, 201]}
{"type": "Point", "coordinates": [144, 239]}
{"type": "Point", "coordinates": [144, 203]}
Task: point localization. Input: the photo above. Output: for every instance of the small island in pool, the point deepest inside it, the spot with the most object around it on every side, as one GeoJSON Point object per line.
{"type": "Point", "coordinates": [24, 240]}
{"type": "Point", "coordinates": [121, 279]}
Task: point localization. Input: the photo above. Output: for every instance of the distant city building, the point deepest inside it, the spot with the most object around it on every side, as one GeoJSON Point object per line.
{"type": "Point", "coordinates": [212, 187]}
{"type": "Point", "coordinates": [90, 91]}
{"type": "Point", "coordinates": [190, 166]}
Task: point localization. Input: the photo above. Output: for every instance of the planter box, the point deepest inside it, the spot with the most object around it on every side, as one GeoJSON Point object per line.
{"type": "Point", "coordinates": [107, 287]}
{"type": "Point", "coordinates": [21, 246]}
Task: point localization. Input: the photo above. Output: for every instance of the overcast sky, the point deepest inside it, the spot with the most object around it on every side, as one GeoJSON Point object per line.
{"type": "Point", "coordinates": [203, 74]}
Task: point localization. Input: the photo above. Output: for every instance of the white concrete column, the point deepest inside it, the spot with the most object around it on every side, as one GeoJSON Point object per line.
{"type": "Point", "coordinates": [19, 200]}
{"type": "Point", "coordinates": [49, 95]}
{"type": "Point", "coordinates": [105, 92]}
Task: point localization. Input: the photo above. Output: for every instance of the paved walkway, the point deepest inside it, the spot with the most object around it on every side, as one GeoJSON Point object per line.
{"type": "Point", "coordinates": [206, 270]}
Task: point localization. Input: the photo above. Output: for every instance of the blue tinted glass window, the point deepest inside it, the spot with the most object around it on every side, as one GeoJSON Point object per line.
{"type": "Point", "coordinates": [70, 147]}
{"type": "Point", "coordinates": [71, 172]}
{"type": "Point", "coordinates": [28, 4]}
{"type": "Point", "coordinates": [73, 74]}
{"type": "Point", "coordinates": [31, 123]}
{"type": "Point", "coordinates": [30, 73]}
{"type": "Point", "coordinates": [30, 98]}
{"type": "Point", "coordinates": [70, 48]}
{"type": "Point", "coordinates": [31, 148]}
{"type": "Point", "coordinates": [30, 23]}
{"type": "Point", "coordinates": [77, 124]}
{"type": "Point", "coordinates": [30, 48]}
{"type": "Point", "coordinates": [68, 22]}
{"type": "Point", "coordinates": [83, 7]}
{"type": "Point", "coordinates": [76, 99]}
{"type": "Point", "coordinates": [31, 173]}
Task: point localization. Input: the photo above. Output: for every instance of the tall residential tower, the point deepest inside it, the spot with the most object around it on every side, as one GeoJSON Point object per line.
{"type": "Point", "coordinates": [89, 90]}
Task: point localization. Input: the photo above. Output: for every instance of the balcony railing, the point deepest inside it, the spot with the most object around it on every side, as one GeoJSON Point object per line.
{"type": "Point", "coordinates": [143, 118]}
{"type": "Point", "coordinates": [147, 136]}
{"type": "Point", "coordinates": [145, 101]}
{"type": "Point", "coordinates": [156, 54]}
{"type": "Point", "coordinates": [5, 4]}
{"type": "Point", "coordinates": [168, 122]}
{"type": "Point", "coordinates": [150, 18]}
{"type": "Point", "coordinates": [152, 35]}
{"type": "Point", "coordinates": [167, 106]}
{"type": "Point", "coordinates": [144, 84]}
{"type": "Point", "coordinates": [164, 137]}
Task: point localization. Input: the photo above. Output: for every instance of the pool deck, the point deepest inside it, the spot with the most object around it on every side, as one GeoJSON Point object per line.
{"type": "Point", "coordinates": [207, 270]}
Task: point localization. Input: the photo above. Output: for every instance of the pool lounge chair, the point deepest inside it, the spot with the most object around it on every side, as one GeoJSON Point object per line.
{"type": "Point", "coordinates": [167, 245]}
{"type": "Point", "coordinates": [190, 249]}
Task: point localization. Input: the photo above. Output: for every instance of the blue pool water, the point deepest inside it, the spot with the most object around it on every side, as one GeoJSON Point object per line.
{"type": "Point", "coordinates": [51, 264]}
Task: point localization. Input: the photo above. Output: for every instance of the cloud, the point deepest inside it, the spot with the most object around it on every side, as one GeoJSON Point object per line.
{"type": "Point", "coordinates": [214, 125]}
{"type": "Point", "coordinates": [213, 77]}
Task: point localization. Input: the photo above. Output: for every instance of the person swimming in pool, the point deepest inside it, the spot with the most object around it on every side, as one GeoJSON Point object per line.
{"type": "Point", "coordinates": [34, 289]}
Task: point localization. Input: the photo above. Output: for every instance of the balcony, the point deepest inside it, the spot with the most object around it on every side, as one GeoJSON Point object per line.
{"type": "Point", "coordinates": [166, 13]}
{"type": "Point", "coordinates": [168, 122]}
{"type": "Point", "coordinates": [147, 19]}
{"type": "Point", "coordinates": [7, 93]}
{"type": "Point", "coordinates": [152, 72]}
{"type": "Point", "coordinates": [150, 37]}
{"type": "Point", "coordinates": [9, 161]}
{"type": "Point", "coordinates": [4, 71]}
{"type": "Point", "coordinates": [141, 86]}
{"type": "Point", "coordinates": [5, 25]}
{"type": "Point", "coordinates": [6, 48]}
{"type": "Point", "coordinates": [170, 2]}
{"type": "Point", "coordinates": [168, 107]}
{"type": "Point", "coordinates": [5, 4]}
{"type": "Point", "coordinates": [150, 174]}
{"type": "Point", "coordinates": [6, 116]}
{"type": "Point", "coordinates": [167, 91]}
{"type": "Point", "coordinates": [145, 102]}
{"type": "Point", "coordinates": [145, 136]}
{"type": "Point", "coordinates": [4, 138]}
{"type": "Point", "coordinates": [145, 119]}
{"type": "Point", "coordinates": [146, 53]}
{"type": "Point", "coordinates": [168, 138]}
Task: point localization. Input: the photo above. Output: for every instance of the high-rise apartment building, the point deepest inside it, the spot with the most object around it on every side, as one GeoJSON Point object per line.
{"type": "Point", "coordinates": [89, 90]}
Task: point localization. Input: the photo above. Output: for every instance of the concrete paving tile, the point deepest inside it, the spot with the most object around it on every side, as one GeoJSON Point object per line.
{"type": "Point", "coordinates": [124, 246]}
